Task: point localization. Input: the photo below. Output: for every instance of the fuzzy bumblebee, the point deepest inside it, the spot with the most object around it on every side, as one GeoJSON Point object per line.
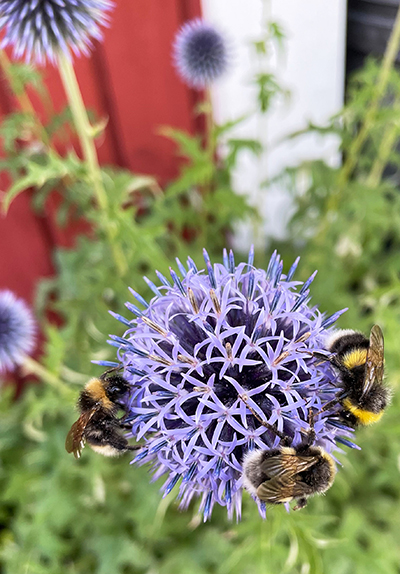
{"type": "Point", "coordinates": [359, 362]}
{"type": "Point", "coordinates": [98, 425]}
{"type": "Point", "coordinates": [283, 474]}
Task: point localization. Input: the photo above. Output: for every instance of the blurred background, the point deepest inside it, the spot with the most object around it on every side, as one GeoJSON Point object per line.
{"type": "Point", "coordinates": [295, 148]}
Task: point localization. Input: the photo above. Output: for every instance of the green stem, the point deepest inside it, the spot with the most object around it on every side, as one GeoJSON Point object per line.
{"type": "Point", "coordinates": [35, 368]}
{"type": "Point", "coordinates": [210, 148]}
{"type": "Point", "coordinates": [84, 130]}
{"type": "Point", "coordinates": [389, 139]}
{"type": "Point", "coordinates": [210, 131]}
{"type": "Point", "coordinates": [358, 142]}
{"type": "Point", "coordinates": [389, 58]}
{"type": "Point", "coordinates": [23, 99]}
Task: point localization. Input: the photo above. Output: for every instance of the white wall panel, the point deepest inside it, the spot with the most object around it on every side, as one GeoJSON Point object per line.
{"type": "Point", "coordinates": [311, 67]}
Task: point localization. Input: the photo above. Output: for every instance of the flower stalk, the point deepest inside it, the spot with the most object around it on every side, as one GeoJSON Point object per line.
{"type": "Point", "coordinates": [389, 139]}
{"type": "Point", "coordinates": [350, 163]}
{"type": "Point", "coordinates": [358, 142]}
{"type": "Point", "coordinates": [30, 366]}
{"type": "Point", "coordinates": [23, 99]}
{"type": "Point", "coordinates": [85, 131]}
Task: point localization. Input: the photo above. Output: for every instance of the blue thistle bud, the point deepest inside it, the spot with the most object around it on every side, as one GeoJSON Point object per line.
{"type": "Point", "coordinates": [211, 359]}
{"type": "Point", "coordinates": [200, 54]}
{"type": "Point", "coordinates": [42, 28]}
{"type": "Point", "coordinates": [17, 331]}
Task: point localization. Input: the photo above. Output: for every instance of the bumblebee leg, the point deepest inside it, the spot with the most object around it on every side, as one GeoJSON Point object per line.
{"type": "Point", "coordinates": [103, 377]}
{"type": "Point", "coordinates": [331, 403]}
{"type": "Point", "coordinates": [311, 431]}
{"type": "Point", "coordinates": [301, 503]}
{"type": "Point", "coordinates": [123, 425]}
{"type": "Point", "coordinates": [326, 358]}
{"type": "Point", "coordinates": [323, 358]}
{"type": "Point", "coordinates": [284, 438]}
{"type": "Point", "coordinates": [127, 418]}
{"type": "Point", "coordinates": [336, 363]}
{"type": "Point", "coordinates": [120, 404]}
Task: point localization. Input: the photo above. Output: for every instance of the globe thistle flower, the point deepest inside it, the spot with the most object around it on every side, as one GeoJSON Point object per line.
{"type": "Point", "coordinates": [41, 29]}
{"type": "Point", "coordinates": [17, 331]}
{"type": "Point", "coordinates": [200, 54]}
{"type": "Point", "coordinates": [214, 355]}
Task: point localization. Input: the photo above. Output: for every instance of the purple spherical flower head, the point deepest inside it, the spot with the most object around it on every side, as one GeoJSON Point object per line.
{"type": "Point", "coordinates": [41, 29]}
{"type": "Point", "coordinates": [211, 355]}
{"type": "Point", "coordinates": [200, 53]}
{"type": "Point", "coordinates": [17, 331]}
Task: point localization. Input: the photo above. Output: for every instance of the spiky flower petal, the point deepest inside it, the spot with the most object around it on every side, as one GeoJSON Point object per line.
{"type": "Point", "coordinates": [211, 356]}
{"type": "Point", "coordinates": [200, 53]}
{"type": "Point", "coordinates": [42, 28]}
{"type": "Point", "coordinates": [17, 331]}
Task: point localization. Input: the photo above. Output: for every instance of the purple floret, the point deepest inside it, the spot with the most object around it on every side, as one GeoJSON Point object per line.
{"type": "Point", "coordinates": [40, 29]}
{"type": "Point", "coordinates": [17, 331]}
{"type": "Point", "coordinates": [200, 53]}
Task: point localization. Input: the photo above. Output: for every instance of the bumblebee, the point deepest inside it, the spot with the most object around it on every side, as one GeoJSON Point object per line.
{"type": "Point", "coordinates": [97, 424]}
{"type": "Point", "coordinates": [360, 365]}
{"type": "Point", "coordinates": [286, 473]}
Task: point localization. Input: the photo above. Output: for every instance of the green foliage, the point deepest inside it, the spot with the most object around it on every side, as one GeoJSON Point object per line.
{"type": "Point", "coordinates": [346, 225]}
{"type": "Point", "coordinates": [43, 171]}
{"type": "Point", "coordinates": [92, 516]}
{"type": "Point", "coordinates": [23, 76]}
{"type": "Point", "coordinates": [98, 515]}
{"type": "Point", "coordinates": [151, 226]}
{"type": "Point", "coordinates": [268, 89]}
{"type": "Point", "coordinates": [349, 230]}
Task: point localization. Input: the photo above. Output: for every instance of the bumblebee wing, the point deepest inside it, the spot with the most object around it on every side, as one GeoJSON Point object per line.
{"type": "Point", "coordinates": [276, 490]}
{"type": "Point", "coordinates": [75, 439]}
{"type": "Point", "coordinates": [375, 360]}
{"type": "Point", "coordinates": [286, 465]}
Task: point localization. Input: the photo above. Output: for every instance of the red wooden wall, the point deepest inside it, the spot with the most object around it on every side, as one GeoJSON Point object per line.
{"type": "Point", "coordinates": [130, 79]}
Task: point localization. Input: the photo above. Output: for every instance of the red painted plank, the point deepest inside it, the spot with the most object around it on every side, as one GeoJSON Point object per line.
{"type": "Point", "coordinates": [148, 92]}
{"type": "Point", "coordinates": [131, 80]}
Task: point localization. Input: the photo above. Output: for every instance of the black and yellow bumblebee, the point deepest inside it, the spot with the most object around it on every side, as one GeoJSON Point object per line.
{"type": "Point", "coordinates": [98, 425]}
{"type": "Point", "coordinates": [359, 362]}
{"type": "Point", "coordinates": [287, 473]}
